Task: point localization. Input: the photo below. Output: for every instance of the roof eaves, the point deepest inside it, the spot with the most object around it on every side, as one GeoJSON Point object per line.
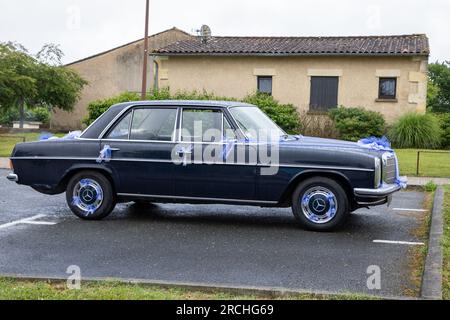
{"type": "Point", "coordinates": [273, 54]}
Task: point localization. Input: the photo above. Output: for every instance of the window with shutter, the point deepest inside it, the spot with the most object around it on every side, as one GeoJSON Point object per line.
{"type": "Point", "coordinates": [324, 93]}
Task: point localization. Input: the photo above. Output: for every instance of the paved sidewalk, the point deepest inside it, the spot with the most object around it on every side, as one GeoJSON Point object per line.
{"type": "Point", "coordinates": [421, 181]}
{"type": "Point", "coordinates": [4, 163]}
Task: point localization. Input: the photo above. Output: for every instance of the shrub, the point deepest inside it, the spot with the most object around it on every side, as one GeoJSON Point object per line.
{"type": "Point", "coordinates": [416, 131]}
{"type": "Point", "coordinates": [98, 107]}
{"type": "Point", "coordinates": [285, 115]}
{"type": "Point", "coordinates": [7, 117]}
{"type": "Point", "coordinates": [430, 186]}
{"type": "Point", "coordinates": [318, 125]}
{"type": "Point", "coordinates": [356, 123]}
{"type": "Point", "coordinates": [41, 114]}
{"type": "Point", "coordinates": [444, 120]}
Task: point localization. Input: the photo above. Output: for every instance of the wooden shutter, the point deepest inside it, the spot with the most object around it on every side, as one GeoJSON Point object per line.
{"type": "Point", "coordinates": [324, 93]}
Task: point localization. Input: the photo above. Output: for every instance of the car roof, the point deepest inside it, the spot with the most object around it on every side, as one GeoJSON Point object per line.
{"type": "Point", "coordinates": [196, 103]}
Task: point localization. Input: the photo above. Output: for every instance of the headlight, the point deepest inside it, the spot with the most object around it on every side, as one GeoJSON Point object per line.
{"type": "Point", "coordinates": [377, 172]}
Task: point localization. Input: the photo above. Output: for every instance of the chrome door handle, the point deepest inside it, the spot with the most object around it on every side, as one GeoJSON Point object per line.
{"type": "Point", "coordinates": [114, 149]}
{"type": "Point", "coordinates": [183, 153]}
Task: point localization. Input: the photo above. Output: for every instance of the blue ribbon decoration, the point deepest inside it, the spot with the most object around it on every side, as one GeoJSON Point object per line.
{"type": "Point", "coordinates": [76, 201]}
{"type": "Point", "coordinates": [375, 143]}
{"type": "Point", "coordinates": [49, 136]}
{"type": "Point", "coordinates": [383, 144]}
{"type": "Point", "coordinates": [228, 147]}
{"type": "Point", "coordinates": [105, 154]}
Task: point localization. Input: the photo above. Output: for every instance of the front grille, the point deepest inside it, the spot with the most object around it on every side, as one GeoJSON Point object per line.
{"type": "Point", "coordinates": [389, 168]}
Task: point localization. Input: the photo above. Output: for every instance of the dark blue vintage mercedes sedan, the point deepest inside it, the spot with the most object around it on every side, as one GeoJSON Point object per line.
{"type": "Point", "coordinates": [206, 152]}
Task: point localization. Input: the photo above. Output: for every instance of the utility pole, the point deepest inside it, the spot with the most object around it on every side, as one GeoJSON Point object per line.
{"type": "Point", "coordinates": [144, 72]}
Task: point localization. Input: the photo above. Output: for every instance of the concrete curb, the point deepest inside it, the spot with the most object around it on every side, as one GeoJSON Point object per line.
{"type": "Point", "coordinates": [432, 275]}
{"type": "Point", "coordinates": [269, 292]}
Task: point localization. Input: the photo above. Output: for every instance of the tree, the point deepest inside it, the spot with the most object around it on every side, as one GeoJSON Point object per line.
{"type": "Point", "coordinates": [438, 96]}
{"type": "Point", "coordinates": [40, 80]}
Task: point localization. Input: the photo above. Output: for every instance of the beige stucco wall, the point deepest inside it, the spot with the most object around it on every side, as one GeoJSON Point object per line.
{"type": "Point", "coordinates": [111, 73]}
{"type": "Point", "coordinates": [358, 78]}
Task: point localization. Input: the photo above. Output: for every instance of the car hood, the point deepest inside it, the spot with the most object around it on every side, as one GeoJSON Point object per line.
{"type": "Point", "coordinates": [331, 144]}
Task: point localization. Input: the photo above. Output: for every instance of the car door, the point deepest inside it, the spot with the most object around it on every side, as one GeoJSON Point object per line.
{"type": "Point", "coordinates": [207, 169]}
{"type": "Point", "coordinates": [141, 143]}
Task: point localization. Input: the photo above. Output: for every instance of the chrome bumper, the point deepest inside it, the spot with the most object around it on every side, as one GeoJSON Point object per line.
{"type": "Point", "coordinates": [12, 177]}
{"type": "Point", "coordinates": [384, 190]}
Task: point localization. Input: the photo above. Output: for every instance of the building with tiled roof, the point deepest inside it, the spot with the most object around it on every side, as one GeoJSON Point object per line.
{"type": "Point", "coordinates": [380, 73]}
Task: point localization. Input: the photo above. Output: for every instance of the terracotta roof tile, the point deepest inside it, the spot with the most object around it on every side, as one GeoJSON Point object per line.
{"type": "Point", "coordinates": [416, 44]}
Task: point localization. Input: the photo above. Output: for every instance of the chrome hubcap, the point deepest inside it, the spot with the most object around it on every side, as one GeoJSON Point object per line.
{"type": "Point", "coordinates": [319, 204]}
{"type": "Point", "coordinates": [87, 196]}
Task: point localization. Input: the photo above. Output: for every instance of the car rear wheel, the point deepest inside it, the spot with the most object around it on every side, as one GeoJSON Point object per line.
{"type": "Point", "coordinates": [90, 195]}
{"type": "Point", "coordinates": [320, 204]}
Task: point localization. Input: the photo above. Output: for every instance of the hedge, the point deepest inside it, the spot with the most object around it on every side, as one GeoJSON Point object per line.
{"type": "Point", "coordinates": [285, 115]}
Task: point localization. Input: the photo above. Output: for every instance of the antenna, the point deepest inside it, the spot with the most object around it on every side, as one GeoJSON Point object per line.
{"type": "Point", "coordinates": [205, 33]}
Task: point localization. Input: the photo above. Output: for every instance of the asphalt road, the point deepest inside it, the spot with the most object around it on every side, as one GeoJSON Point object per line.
{"type": "Point", "coordinates": [214, 244]}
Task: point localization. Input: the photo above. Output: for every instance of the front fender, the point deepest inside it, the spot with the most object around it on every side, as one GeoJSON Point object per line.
{"type": "Point", "coordinates": [341, 177]}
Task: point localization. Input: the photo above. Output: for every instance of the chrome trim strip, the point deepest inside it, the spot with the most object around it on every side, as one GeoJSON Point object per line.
{"type": "Point", "coordinates": [12, 177]}
{"type": "Point", "coordinates": [208, 163]}
{"type": "Point", "coordinates": [113, 121]}
{"type": "Point", "coordinates": [198, 142]}
{"type": "Point", "coordinates": [174, 132]}
{"type": "Point", "coordinates": [321, 167]}
{"type": "Point", "coordinates": [130, 126]}
{"type": "Point", "coordinates": [140, 141]}
{"type": "Point", "coordinates": [90, 126]}
{"type": "Point", "coordinates": [117, 117]}
{"type": "Point", "coordinates": [374, 203]}
{"type": "Point", "coordinates": [237, 123]}
{"type": "Point", "coordinates": [52, 158]}
{"type": "Point", "coordinates": [193, 198]}
{"type": "Point", "coordinates": [180, 125]}
{"type": "Point", "coordinates": [384, 190]}
{"type": "Point", "coordinates": [88, 139]}
{"type": "Point", "coordinates": [173, 142]}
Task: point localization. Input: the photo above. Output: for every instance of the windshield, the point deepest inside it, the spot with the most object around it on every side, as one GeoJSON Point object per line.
{"type": "Point", "coordinates": [255, 124]}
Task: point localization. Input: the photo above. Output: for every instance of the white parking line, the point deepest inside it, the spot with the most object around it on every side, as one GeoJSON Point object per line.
{"type": "Point", "coordinates": [29, 220]}
{"type": "Point", "coordinates": [406, 209]}
{"type": "Point", "coordinates": [47, 223]}
{"type": "Point", "coordinates": [400, 242]}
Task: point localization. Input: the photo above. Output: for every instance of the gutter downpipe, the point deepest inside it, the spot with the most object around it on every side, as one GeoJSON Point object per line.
{"type": "Point", "coordinates": [155, 73]}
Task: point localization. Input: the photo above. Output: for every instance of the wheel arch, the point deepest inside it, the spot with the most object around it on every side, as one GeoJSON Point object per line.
{"type": "Point", "coordinates": [337, 176]}
{"type": "Point", "coordinates": [107, 172]}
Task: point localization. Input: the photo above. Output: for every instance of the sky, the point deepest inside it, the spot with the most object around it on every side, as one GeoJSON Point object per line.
{"type": "Point", "coordinates": [86, 27]}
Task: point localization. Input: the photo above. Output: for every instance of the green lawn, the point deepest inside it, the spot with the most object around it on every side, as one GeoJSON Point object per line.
{"type": "Point", "coordinates": [7, 141]}
{"type": "Point", "coordinates": [446, 246]}
{"type": "Point", "coordinates": [20, 289]}
{"type": "Point", "coordinates": [431, 164]}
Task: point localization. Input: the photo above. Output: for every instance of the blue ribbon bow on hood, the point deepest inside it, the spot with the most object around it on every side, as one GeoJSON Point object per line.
{"type": "Point", "coordinates": [383, 144]}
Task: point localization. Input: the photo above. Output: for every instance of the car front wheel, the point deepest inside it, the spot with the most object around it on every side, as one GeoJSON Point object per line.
{"type": "Point", "coordinates": [90, 195]}
{"type": "Point", "coordinates": [320, 204]}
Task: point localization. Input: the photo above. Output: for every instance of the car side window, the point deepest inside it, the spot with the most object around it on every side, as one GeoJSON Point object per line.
{"type": "Point", "coordinates": [228, 131]}
{"type": "Point", "coordinates": [122, 129]}
{"type": "Point", "coordinates": [204, 125]}
{"type": "Point", "coordinates": [155, 124]}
